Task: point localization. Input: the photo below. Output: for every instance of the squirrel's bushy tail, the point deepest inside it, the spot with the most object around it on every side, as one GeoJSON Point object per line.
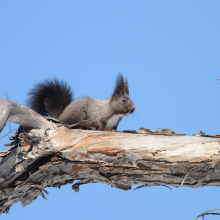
{"type": "Point", "coordinates": [50, 97]}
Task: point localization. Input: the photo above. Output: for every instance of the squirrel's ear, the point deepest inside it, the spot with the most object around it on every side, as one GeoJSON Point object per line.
{"type": "Point", "coordinates": [119, 87]}
{"type": "Point", "coordinates": [126, 86]}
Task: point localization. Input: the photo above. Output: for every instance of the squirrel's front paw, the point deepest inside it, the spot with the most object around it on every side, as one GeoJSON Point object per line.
{"type": "Point", "coordinates": [109, 129]}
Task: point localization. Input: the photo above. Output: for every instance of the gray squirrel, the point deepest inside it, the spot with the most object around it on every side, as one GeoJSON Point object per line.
{"type": "Point", "coordinates": [54, 97]}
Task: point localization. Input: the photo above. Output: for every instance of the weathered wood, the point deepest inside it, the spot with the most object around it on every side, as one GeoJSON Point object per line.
{"type": "Point", "coordinates": [57, 156]}
{"type": "Point", "coordinates": [22, 115]}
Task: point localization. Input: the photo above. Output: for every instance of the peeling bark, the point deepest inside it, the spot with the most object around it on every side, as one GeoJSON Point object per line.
{"type": "Point", "coordinates": [54, 157]}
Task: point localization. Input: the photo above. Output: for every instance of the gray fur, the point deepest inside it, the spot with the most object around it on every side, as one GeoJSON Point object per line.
{"type": "Point", "coordinates": [97, 110]}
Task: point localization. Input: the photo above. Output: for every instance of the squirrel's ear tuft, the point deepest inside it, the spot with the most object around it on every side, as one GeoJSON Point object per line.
{"type": "Point", "coordinates": [126, 86]}
{"type": "Point", "coordinates": [121, 87]}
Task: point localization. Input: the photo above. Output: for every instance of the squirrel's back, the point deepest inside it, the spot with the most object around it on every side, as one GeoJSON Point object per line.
{"type": "Point", "coordinates": [50, 97]}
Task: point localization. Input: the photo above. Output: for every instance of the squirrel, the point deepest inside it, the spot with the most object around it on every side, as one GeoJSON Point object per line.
{"type": "Point", "coordinates": [54, 98]}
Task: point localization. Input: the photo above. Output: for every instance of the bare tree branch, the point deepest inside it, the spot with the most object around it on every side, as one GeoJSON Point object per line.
{"type": "Point", "coordinates": [5, 135]}
{"type": "Point", "coordinates": [11, 111]}
{"type": "Point", "coordinates": [206, 213]}
{"type": "Point", "coordinates": [9, 123]}
{"type": "Point", "coordinates": [48, 153]}
{"type": "Point", "coordinates": [57, 156]}
{"type": "Point", "coordinates": [6, 94]}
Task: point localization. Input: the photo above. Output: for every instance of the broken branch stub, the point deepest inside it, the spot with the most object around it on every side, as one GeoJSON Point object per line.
{"type": "Point", "coordinates": [57, 156]}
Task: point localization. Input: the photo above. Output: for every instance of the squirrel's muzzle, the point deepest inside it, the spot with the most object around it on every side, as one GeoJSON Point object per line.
{"type": "Point", "coordinates": [132, 109]}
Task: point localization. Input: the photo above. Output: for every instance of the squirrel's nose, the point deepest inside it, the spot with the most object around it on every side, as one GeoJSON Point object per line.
{"type": "Point", "coordinates": [133, 108]}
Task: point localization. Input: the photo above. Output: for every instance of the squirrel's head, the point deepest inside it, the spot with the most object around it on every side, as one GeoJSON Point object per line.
{"type": "Point", "coordinates": [120, 99]}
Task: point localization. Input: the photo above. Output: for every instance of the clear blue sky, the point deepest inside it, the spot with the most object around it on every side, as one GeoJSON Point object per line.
{"type": "Point", "coordinates": [170, 53]}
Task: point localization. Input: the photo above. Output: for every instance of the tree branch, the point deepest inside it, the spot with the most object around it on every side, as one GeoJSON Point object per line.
{"type": "Point", "coordinates": [5, 135]}
{"type": "Point", "coordinates": [11, 111]}
{"type": "Point", "coordinates": [208, 213]}
{"type": "Point", "coordinates": [59, 155]}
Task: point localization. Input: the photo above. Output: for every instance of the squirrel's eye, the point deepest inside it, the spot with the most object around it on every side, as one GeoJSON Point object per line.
{"type": "Point", "coordinates": [123, 100]}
